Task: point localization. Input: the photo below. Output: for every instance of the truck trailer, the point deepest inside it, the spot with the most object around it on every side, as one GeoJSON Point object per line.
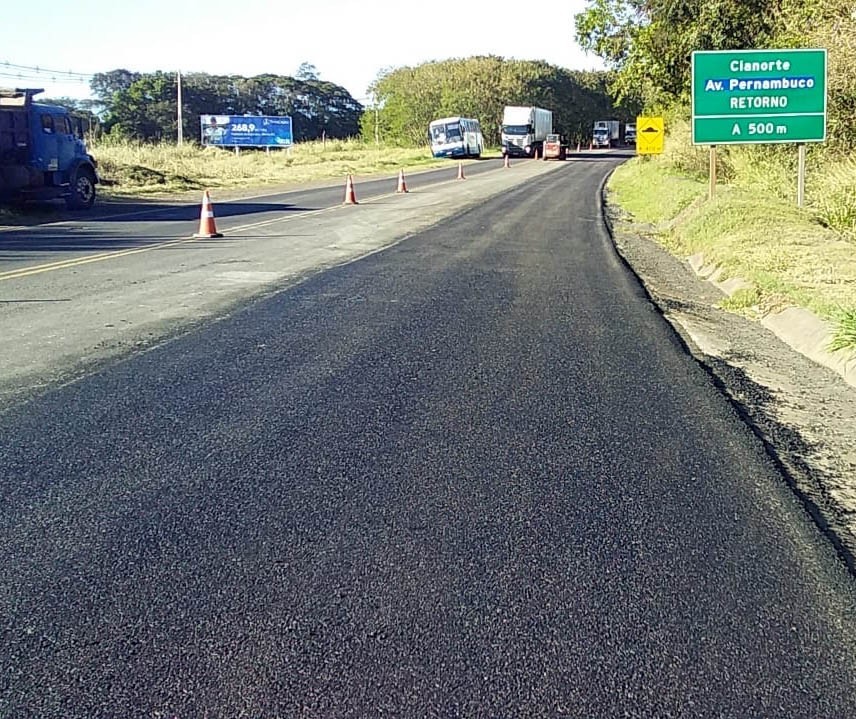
{"type": "Point", "coordinates": [524, 130]}
{"type": "Point", "coordinates": [42, 152]}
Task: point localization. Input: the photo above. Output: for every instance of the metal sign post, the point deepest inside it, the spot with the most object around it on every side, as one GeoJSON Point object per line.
{"type": "Point", "coordinates": [180, 118]}
{"type": "Point", "coordinates": [711, 190]}
{"type": "Point", "coordinates": [801, 176]}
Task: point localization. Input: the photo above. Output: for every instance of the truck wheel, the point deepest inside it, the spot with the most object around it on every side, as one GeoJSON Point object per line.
{"type": "Point", "coordinates": [82, 190]}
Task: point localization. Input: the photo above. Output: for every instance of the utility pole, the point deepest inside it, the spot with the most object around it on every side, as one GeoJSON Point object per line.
{"type": "Point", "coordinates": [180, 117]}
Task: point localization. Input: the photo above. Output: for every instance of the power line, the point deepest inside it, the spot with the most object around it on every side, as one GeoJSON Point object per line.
{"type": "Point", "coordinates": [41, 78]}
{"type": "Point", "coordinates": [34, 72]}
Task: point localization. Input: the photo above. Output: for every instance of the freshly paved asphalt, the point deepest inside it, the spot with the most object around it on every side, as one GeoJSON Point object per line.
{"type": "Point", "coordinates": [474, 475]}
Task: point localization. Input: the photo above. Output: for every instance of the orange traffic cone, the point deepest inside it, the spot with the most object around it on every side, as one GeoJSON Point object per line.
{"type": "Point", "coordinates": [591, 145]}
{"type": "Point", "coordinates": [206, 219]}
{"type": "Point", "coordinates": [578, 147]}
{"type": "Point", "coordinates": [350, 195]}
{"type": "Point", "coordinates": [535, 154]}
{"type": "Point", "coordinates": [402, 186]}
{"type": "Point", "coordinates": [461, 171]}
{"type": "Point", "coordinates": [507, 162]}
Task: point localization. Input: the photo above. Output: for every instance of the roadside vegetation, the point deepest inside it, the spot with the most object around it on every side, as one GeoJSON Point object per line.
{"type": "Point", "coordinates": [139, 168]}
{"type": "Point", "coordinates": [480, 87]}
{"type": "Point", "coordinates": [752, 228]}
{"type": "Point", "coordinates": [134, 130]}
{"type": "Point", "coordinates": [396, 111]}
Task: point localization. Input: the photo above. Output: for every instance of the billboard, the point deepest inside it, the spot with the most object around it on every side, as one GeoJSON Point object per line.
{"type": "Point", "coordinates": [246, 130]}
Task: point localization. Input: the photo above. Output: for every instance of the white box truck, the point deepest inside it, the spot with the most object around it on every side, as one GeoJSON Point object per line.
{"type": "Point", "coordinates": [607, 133]}
{"type": "Point", "coordinates": [524, 130]}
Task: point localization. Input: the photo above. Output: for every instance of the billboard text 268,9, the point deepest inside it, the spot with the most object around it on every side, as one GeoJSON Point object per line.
{"type": "Point", "coordinates": [758, 96]}
{"type": "Point", "coordinates": [246, 130]}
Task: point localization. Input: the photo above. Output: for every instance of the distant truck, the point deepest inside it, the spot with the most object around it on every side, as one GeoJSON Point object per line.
{"type": "Point", "coordinates": [630, 133]}
{"type": "Point", "coordinates": [42, 152]}
{"type": "Point", "coordinates": [607, 133]}
{"type": "Point", "coordinates": [554, 147]}
{"type": "Point", "coordinates": [524, 130]}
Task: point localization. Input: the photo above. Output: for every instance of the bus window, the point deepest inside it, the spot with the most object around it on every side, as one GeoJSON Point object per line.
{"type": "Point", "coordinates": [449, 132]}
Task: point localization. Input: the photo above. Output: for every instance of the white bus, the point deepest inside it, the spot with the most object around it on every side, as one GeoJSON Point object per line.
{"type": "Point", "coordinates": [456, 137]}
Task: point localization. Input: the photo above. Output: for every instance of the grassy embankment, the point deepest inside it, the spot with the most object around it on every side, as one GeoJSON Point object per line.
{"type": "Point", "coordinates": [752, 228]}
{"type": "Point", "coordinates": [140, 169]}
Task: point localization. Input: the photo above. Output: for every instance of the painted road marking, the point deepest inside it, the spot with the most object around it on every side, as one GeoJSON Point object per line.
{"type": "Point", "coordinates": [65, 264]}
{"type": "Point", "coordinates": [153, 211]}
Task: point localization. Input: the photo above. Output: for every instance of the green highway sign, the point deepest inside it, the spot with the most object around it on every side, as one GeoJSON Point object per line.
{"type": "Point", "coordinates": [758, 96]}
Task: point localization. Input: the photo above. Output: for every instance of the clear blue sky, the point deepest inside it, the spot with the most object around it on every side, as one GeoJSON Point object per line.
{"type": "Point", "coordinates": [348, 41]}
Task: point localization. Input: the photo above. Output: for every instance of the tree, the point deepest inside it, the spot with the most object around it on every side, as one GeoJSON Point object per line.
{"type": "Point", "coordinates": [649, 42]}
{"type": "Point", "coordinates": [830, 24]}
{"type": "Point", "coordinates": [146, 108]}
{"type": "Point", "coordinates": [409, 98]}
{"type": "Point", "coordinates": [307, 71]}
{"type": "Point", "coordinates": [106, 84]}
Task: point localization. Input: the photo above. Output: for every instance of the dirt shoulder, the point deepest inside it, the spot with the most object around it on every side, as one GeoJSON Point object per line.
{"type": "Point", "coordinates": [805, 413]}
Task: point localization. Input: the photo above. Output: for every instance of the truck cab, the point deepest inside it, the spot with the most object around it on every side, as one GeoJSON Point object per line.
{"type": "Point", "coordinates": [523, 130]}
{"type": "Point", "coordinates": [43, 155]}
{"type": "Point", "coordinates": [630, 133]}
{"type": "Point", "coordinates": [607, 133]}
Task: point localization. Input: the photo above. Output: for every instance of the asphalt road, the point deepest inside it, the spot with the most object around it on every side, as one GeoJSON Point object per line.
{"type": "Point", "coordinates": [74, 293]}
{"type": "Point", "coordinates": [473, 475]}
{"type": "Point", "coordinates": [50, 228]}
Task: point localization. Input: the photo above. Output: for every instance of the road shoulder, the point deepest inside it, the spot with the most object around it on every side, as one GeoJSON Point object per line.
{"type": "Point", "coordinates": [805, 413]}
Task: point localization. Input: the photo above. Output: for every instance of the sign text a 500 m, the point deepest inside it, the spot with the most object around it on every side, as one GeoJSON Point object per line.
{"type": "Point", "coordinates": [758, 96]}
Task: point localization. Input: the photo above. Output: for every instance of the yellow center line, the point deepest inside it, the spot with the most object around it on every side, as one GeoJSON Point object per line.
{"type": "Point", "coordinates": [27, 271]}
{"type": "Point", "coordinates": [149, 211]}
{"type": "Point", "coordinates": [65, 264]}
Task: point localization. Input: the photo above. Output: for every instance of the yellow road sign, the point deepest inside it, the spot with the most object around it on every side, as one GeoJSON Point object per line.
{"type": "Point", "coordinates": [649, 135]}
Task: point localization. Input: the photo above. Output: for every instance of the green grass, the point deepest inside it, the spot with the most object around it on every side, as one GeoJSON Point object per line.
{"type": "Point", "coordinates": [833, 194]}
{"type": "Point", "coordinates": [743, 301]}
{"type": "Point", "coordinates": [652, 196]}
{"type": "Point", "coordinates": [845, 333]}
{"type": "Point", "coordinates": [789, 256]}
{"type": "Point", "coordinates": [143, 169]}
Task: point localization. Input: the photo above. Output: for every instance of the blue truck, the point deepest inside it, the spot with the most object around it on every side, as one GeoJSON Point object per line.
{"type": "Point", "coordinates": [43, 155]}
